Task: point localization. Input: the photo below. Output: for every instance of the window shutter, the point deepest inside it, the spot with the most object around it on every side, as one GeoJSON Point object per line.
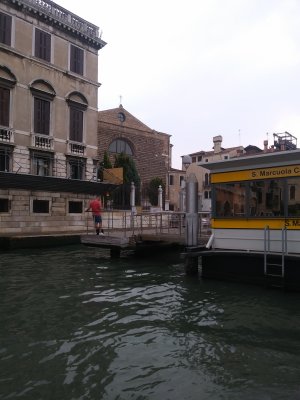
{"type": "Point", "coordinates": [72, 59]}
{"type": "Point", "coordinates": [47, 47]}
{"type": "Point", "coordinates": [79, 61]}
{"type": "Point", "coordinates": [41, 116]}
{"type": "Point", "coordinates": [4, 106]}
{"type": "Point", "coordinates": [37, 42]}
{"type": "Point", "coordinates": [46, 117]}
{"type": "Point", "coordinates": [42, 45]}
{"type": "Point", "coordinates": [37, 115]}
{"type": "Point", "coordinates": [76, 60]}
{"type": "Point", "coordinates": [76, 124]}
{"type": "Point", "coordinates": [5, 29]}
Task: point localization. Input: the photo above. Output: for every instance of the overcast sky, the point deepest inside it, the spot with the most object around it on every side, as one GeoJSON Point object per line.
{"type": "Point", "coordinates": [199, 68]}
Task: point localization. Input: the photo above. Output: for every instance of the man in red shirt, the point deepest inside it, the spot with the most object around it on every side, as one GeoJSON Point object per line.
{"type": "Point", "coordinates": [96, 207]}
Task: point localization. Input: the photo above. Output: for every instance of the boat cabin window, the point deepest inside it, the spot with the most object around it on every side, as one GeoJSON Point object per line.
{"type": "Point", "coordinates": [230, 199]}
{"type": "Point", "coordinates": [294, 197]}
{"type": "Point", "coordinates": [257, 198]}
{"type": "Point", "coordinates": [266, 198]}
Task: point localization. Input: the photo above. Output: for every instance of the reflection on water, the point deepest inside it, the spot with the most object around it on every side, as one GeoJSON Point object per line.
{"type": "Point", "coordinates": [77, 325]}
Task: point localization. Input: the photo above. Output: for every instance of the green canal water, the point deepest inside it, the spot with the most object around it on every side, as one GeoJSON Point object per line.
{"type": "Point", "coordinates": [75, 324]}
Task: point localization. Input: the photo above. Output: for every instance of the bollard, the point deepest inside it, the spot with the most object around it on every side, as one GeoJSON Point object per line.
{"type": "Point", "coordinates": [160, 197]}
{"type": "Point", "coordinates": [191, 222]}
{"type": "Point", "coordinates": [132, 205]}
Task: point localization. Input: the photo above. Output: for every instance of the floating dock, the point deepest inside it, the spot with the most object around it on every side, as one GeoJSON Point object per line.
{"type": "Point", "coordinates": [146, 243]}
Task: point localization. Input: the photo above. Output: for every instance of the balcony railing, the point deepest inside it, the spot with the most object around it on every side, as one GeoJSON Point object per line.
{"type": "Point", "coordinates": [42, 142]}
{"type": "Point", "coordinates": [76, 149]}
{"type": "Point", "coordinates": [6, 135]}
{"type": "Point", "coordinates": [63, 16]}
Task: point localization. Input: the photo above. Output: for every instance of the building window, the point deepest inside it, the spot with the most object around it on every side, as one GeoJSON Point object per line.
{"type": "Point", "coordinates": [5, 29]}
{"type": "Point", "coordinates": [171, 180]}
{"type": "Point", "coordinates": [5, 205]}
{"type": "Point", "coordinates": [75, 207]}
{"type": "Point", "coordinates": [120, 146]}
{"type": "Point", "coordinates": [292, 192]}
{"type": "Point", "coordinates": [41, 116]}
{"type": "Point", "coordinates": [43, 94]}
{"type": "Point", "coordinates": [42, 164]}
{"type": "Point", "coordinates": [76, 124]}
{"type": "Point", "coordinates": [199, 158]}
{"type": "Point", "coordinates": [181, 179]}
{"type": "Point", "coordinates": [194, 159]}
{"type": "Point", "coordinates": [225, 157]}
{"type": "Point", "coordinates": [4, 106]}
{"type": "Point", "coordinates": [206, 194]}
{"type": "Point", "coordinates": [121, 117]}
{"type": "Point", "coordinates": [206, 160]}
{"type": "Point", "coordinates": [77, 106]}
{"type": "Point", "coordinates": [42, 45]}
{"type": "Point", "coordinates": [40, 206]}
{"type": "Point", "coordinates": [206, 179]}
{"type": "Point", "coordinates": [5, 158]}
{"type": "Point", "coordinates": [293, 197]}
{"type": "Point", "coordinates": [76, 168]}
{"type": "Point", "coordinates": [76, 60]}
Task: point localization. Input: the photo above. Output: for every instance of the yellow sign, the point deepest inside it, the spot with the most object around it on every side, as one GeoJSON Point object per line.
{"type": "Point", "coordinates": [255, 174]}
{"type": "Point", "coordinates": [255, 223]}
{"type": "Point", "coordinates": [292, 223]}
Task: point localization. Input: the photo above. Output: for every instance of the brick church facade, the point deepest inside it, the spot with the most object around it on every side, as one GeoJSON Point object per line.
{"type": "Point", "coordinates": [119, 131]}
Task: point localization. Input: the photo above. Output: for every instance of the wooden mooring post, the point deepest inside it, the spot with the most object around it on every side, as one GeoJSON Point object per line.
{"type": "Point", "coordinates": [192, 222]}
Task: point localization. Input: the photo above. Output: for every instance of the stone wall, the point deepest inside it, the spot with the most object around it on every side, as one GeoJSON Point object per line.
{"type": "Point", "coordinates": [21, 218]}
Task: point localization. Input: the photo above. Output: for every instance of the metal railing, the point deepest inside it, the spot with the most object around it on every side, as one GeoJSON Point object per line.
{"type": "Point", "coordinates": [126, 223]}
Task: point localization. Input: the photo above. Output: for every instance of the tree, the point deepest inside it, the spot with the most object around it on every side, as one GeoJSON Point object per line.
{"type": "Point", "coordinates": [106, 161]}
{"type": "Point", "coordinates": [105, 164]}
{"type": "Point", "coordinates": [130, 173]}
{"type": "Point", "coordinates": [153, 190]}
{"type": "Point", "coordinates": [121, 196]}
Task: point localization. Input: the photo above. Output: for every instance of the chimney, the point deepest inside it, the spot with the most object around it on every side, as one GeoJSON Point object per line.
{"type": "Point", "coordinates": [265, 146]}
{"type": "Point", "coordinates": [217, 143]}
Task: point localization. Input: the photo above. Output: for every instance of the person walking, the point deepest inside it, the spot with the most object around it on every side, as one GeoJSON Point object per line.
{"type": "Point", "coordinates": [96, 207]}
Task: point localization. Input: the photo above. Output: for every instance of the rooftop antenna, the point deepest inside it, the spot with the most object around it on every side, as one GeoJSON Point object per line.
{"type": "Point", "coordinates": [120, 99]}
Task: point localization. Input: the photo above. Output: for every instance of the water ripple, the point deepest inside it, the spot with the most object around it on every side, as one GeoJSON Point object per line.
{"type": "Point", "coordinates": [77, 325]}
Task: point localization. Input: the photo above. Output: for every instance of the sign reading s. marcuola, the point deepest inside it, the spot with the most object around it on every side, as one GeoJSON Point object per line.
{"type": "Point", "coordinates": [259, 173]}
{"type": "Point", "coordinates": [276, 172]}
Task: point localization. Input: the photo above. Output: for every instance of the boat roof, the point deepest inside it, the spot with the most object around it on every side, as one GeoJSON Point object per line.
{"type": "Point", "coordinates": [273, 159]}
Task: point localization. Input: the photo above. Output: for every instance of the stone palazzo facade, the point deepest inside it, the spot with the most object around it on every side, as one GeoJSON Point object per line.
{"type": "Point", "coordinates": [48, 117]}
